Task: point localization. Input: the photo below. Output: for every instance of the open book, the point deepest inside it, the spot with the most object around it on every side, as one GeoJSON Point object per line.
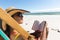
{"type": "Point", "coordinates": [38, 26]}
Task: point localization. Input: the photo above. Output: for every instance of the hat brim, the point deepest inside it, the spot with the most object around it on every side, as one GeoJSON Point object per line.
{"type": "Point", "coordinates": [13, 11]}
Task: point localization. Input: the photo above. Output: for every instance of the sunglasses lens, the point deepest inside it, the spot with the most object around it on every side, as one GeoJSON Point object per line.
{"type": "Point", "coordinates": [21, 15]}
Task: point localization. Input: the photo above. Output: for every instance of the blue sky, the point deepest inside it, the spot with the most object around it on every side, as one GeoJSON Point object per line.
{"type": "Point", "coordinates": [31, 5]}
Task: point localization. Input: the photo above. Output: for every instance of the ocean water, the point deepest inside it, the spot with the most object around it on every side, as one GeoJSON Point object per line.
{"type": "Point", "coordinates": [53, 23]}
{"type": "Point", "coordinates": [43, 13]}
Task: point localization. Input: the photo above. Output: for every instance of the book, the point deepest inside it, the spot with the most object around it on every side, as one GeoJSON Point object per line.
{"type": "Point", "coordinates": [38, 26]}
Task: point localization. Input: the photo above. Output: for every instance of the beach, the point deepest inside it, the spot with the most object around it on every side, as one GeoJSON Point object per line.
{"type": "Point", "coordinates": [53, 23]}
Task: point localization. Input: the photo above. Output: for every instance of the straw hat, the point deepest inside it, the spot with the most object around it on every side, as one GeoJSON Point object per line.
{"type": "Point", "coordinates": [12, 10]}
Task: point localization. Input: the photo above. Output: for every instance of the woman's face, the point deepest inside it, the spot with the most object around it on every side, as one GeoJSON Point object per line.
{"type": "Point", "coordinates": [18, 18]}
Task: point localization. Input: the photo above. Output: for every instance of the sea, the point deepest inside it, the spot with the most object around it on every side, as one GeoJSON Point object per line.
{"type": "Point", "coordinates": [52, 19]}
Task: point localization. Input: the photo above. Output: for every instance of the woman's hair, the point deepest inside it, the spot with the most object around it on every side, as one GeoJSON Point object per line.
{"type": "Point", "coordinates": [7, 31]}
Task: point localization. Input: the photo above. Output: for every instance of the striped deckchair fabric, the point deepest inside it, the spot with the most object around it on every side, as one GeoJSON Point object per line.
{"type": "Point", "coordinates": [3, 36]}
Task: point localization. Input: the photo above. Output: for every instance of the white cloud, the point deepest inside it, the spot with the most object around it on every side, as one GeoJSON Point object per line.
{"type": "Point", "coordinates": [47, 10]}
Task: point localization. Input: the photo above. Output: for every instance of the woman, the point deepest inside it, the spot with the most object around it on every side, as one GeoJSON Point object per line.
{"type": "Point", "coordinates": [17, 14]}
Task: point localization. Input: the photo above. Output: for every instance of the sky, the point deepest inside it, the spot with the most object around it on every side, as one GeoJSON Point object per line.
{"type": "Point", "coordinates": [31, 5]}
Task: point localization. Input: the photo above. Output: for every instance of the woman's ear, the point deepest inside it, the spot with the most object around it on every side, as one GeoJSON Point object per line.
{"type": "Point", "coordinates": [3, 25]}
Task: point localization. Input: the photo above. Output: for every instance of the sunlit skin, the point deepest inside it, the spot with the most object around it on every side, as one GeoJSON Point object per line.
{"type": "Point", "coordinates": [18, 19]}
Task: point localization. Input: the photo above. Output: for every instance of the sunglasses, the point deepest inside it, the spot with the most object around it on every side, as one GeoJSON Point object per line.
{"type": "Point", "coordinates": [18, 14]}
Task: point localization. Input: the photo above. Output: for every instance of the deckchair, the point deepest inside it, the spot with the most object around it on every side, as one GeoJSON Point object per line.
{"type": "Point", "coordinates": [11, 22]}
